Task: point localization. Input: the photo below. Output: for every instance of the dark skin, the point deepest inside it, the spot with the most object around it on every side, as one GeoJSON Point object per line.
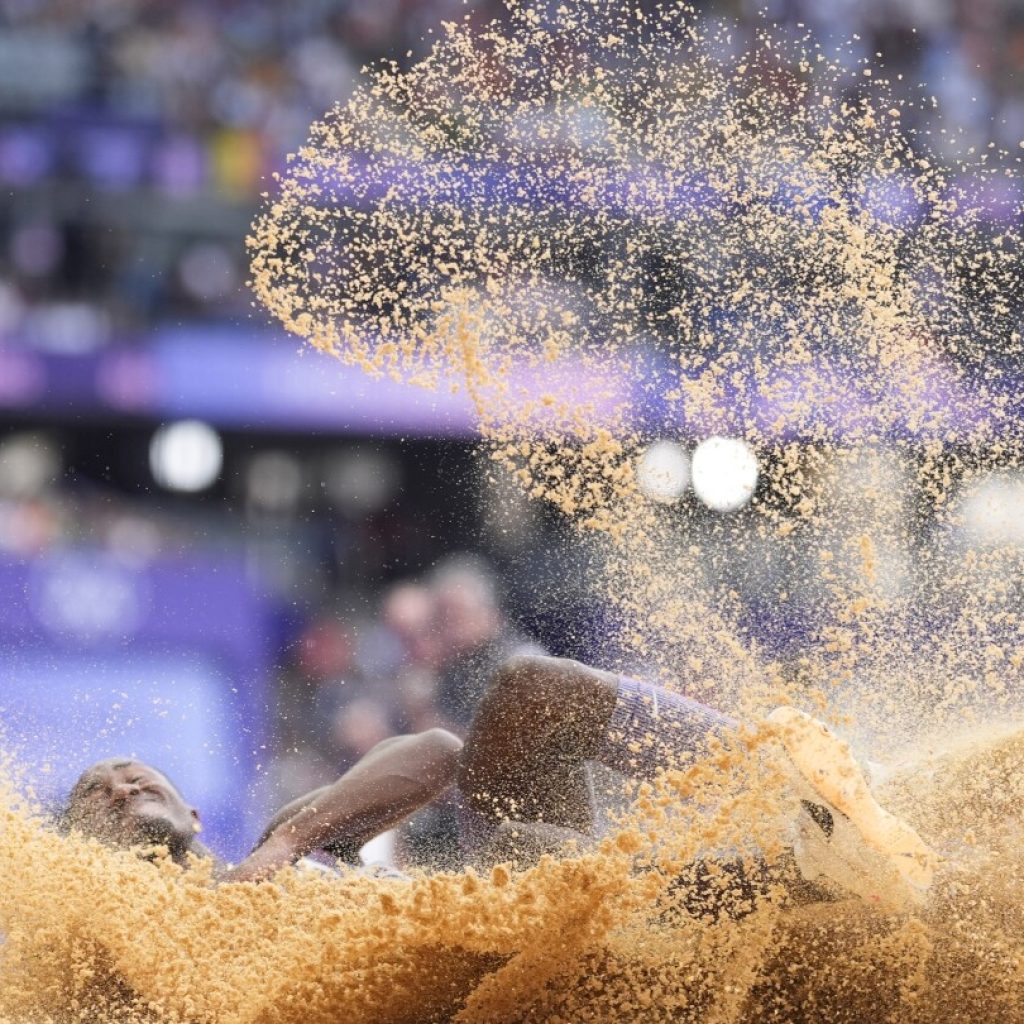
{"type": "Point", "coordinates": [523, 767]}
{"type": "Point", "coordinates": [126, 803]}
{"type": "Point", "coordinates": [524, 763]}
{"type": "Point", "coordinates": [539, 723]}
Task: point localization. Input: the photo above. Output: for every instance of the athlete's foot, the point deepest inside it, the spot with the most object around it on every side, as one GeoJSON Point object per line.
{"type": "Point", "coordinates": [844, 834]}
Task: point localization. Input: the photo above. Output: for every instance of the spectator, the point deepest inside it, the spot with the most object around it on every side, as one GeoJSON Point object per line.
{"type": "Point", "coordinates": [408, 611]}
{"type": "Point", "coordinates": [474, 633]}
{"type": "Point", "coordinates": [357, 727]}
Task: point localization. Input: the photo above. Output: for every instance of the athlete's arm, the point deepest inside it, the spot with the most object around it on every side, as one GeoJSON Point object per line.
{"type": "Point", "coordinates": [293, 807]}
{"type": "Point", "coordinates": [394, 779]}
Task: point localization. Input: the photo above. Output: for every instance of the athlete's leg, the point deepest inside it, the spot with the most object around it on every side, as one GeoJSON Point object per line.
{"type": "Point", "coordinates": [543, 718]}
{"type": "Point", "coordinates": [539, 722]}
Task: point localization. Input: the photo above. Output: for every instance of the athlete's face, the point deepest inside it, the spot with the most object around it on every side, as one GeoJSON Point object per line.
{"type": "Point", "coordinates": [127, 803]}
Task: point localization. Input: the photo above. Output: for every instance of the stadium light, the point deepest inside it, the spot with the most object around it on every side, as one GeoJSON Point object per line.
{"type": "Point", "coordinates": [725, 473]}
{"type": "Point", "coordinates": [274, 481]}
{"type": "Point", "coordinates": [663, 472]}
{"type": "Point", "coordinates": [29, 463]}
{"type": "Point", "coordinates": [991, 509]}
{"type": "Point", "coordinates": [186, 456]}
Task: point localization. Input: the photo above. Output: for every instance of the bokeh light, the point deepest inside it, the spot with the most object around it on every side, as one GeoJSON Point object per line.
{"type": "Point", "coordinates": [663, 472]}
{"type": "Point", "coordinates": [186, 456]}
{"type": "Point", "coordinates": [725, 473]}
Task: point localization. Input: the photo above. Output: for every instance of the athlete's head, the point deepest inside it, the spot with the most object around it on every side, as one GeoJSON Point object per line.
{"type": "Point", "coordinates": [125, 803]}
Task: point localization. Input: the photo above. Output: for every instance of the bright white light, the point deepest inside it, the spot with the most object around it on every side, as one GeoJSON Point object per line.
{"type": "Point", "coordinates": [724, 473]}
{"type": "Point", "coordinates": [186, 456]}
{"type": "Point", "coordinates": [993, 510]}
{"type": "Point", "coordinates": [663, 472]}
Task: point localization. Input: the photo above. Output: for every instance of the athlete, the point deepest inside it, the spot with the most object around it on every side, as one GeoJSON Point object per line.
{"type": "Point", "coordinates": [126, 803]}
{"type": "Point", "coordinates": [540, 722]}
{"type": "Point", "coordinates": [543, 719]}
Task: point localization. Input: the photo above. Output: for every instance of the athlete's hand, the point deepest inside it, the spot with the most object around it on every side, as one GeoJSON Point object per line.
{"type": "Point", "coordinates": [263, 863]}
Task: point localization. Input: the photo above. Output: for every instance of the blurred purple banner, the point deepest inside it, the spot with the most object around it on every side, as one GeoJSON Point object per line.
{"type": "Point", "coordinates": [234, 379]}
{"type": "Point", "coordinates": [241, 380]}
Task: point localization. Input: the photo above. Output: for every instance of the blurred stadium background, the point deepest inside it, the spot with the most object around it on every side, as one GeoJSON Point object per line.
{"type": "Point", "coordinates": [238, 562]}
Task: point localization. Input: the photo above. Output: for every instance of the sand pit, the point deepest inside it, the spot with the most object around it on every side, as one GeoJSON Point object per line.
{"type": "Point", "coordinates": [94, 934]}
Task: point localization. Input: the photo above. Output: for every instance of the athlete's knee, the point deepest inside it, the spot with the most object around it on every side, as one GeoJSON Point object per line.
{"type": "Point", "coordinates": [531, 678]}
{"type": "Point", "coordinates": [519, 670]}
{"type": "Point", "coordinates": [441, 742]}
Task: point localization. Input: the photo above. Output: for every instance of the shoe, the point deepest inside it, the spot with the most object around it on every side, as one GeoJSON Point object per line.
{"type": "Point", "coordinates": [844, 834]}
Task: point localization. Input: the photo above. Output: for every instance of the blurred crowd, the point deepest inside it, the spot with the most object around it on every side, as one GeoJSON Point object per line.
{"type": "Point", "coordinates": [137, 134]}
{"type": "Point", "coordinates": [419, 659]}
